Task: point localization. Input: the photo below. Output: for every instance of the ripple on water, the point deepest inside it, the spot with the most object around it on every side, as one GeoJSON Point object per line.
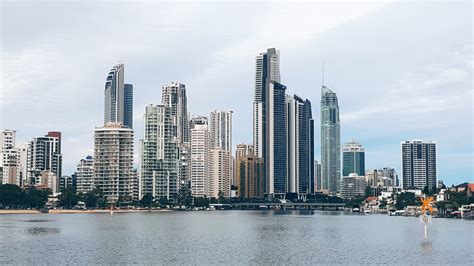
{"type": "Point", "coordinates": [36, 221]}
{"type": "Point", "coordinates": [39, 231]}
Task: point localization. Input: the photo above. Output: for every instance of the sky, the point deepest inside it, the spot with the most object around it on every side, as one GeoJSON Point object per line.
{"type": "Point", "coordinates": [401, 70]}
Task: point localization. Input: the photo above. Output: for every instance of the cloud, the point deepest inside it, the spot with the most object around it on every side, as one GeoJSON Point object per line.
{"type": "Point", "coordinates": [399, 70]}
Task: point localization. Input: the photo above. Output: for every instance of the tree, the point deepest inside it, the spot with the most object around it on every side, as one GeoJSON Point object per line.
{"type": "Point", "coordinates": [221, 198]}
{"type": "Point", "coordinates": [164, 201]}
{"type": "Point", "coordinates": [405, 199]}
{"type": "Point", "coordinates": [146, 200]}
{"type": "Point", "coordinates": [36, 198]}
{"type": "Point", "coordinates": [68, 198]}
{"type": "Point", "coordinates": [10, 195]}
{"type": "Point", "coordinates": [201, 202]}
{"type": "Point", "coordinates": [368, 191]}
{"type": "Point", "coordinates": [184, 196]}
{"type": "Point", "coordinates": [95, 198]}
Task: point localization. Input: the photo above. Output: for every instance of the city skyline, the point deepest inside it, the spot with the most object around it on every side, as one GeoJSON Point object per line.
{"type": "Point", "coordinates": [356, 118]}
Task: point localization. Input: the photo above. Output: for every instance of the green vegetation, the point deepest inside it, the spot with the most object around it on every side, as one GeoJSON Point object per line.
{"type": "Point", "coordinates": [13, 197]}
{"type": "Point", "coordinates": [68, 198]}
{"type": "Point", "coordinates": [405, 199]}
{"type": "Point", "coordinates": [201, 202]}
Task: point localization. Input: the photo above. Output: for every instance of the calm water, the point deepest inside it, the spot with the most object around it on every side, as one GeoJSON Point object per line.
{"type": "Point", "coordinates": [232, 237]}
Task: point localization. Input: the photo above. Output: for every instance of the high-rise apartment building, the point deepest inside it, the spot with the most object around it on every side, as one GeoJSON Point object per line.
{"type": "Point", "coordinates": [174, 96]}
{"type": "Point", "coordinates": [10, 159]}
{"type": "Point", "coordinates": [85, 175]}
{"type": "Point", "coordinates": [353, 158]}
{"type": "Point", "coordinates": [199, 155]}
{"type": "Point", "coordinates": [419, 164]}
{"type": "Point", "coordinates": [219, 172]}
{"type": "Point", "coordinates": [275, 156]}
{"type": "Point", "coordinates": [269, 121]}
{"type": "Point", "coordinates": [300, 145]}
{"type": "Point", "coordinates": [250, 176]}
{"type": "Point", "coordinates": [267, 69]}
{"type": "Point", "coordinates": [221, 162]}
{"type": "Point", "coordinates": [220, 127]}
{"type": "Point", "coordinates": [113, 161]}
{"type": "Point", "coordinates": [159, 158]}
{"type": "Point", "coordinates": [118, 100]}
{"type": "Point", "coordinates": [44, 154]}
{"type": "Point", "coordinates": [330, 141]}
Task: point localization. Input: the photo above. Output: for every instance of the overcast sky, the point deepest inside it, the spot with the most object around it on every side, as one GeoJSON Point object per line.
{"type": "Point", "coordinates": [401, 70]}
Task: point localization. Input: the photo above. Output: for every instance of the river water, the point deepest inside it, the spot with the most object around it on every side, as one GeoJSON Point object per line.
{"type": "Point", "coordinates": [233, 237]}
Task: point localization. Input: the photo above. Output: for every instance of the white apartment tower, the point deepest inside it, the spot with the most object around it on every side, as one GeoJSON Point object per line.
{"type": "Point", "coordinates": [220, 125]}
{"type": "Point", "coordinates": [44, 154]}
{"type": "Point", "coordinates": [10, 159]}
{"type": "Point", "coordinates": [159, 161]}
{"type": "Point", "coordinates": [221, 168]}
{"type": "Point", "coordinates": [199, 153]}
{"type": "Point", "coordinates": [113, 160]}
{"type": "Point", "coordinates": [85, 175]}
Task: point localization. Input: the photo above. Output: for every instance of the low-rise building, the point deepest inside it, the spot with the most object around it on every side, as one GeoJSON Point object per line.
{"type": "Point", "coordinates": [352, 186]}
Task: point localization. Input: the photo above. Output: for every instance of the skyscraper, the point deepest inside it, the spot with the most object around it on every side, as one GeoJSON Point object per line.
{"type": "Point", "coordinates": [220, 126]}
{"type": "Point", "coordinates": [219, 172]}
{"type": "Point", "coordinates": [269, 121]}
{"type": "Point", "coordinates": [353, 158]}
{"type": "Point", "coordinates": [221, 163]}
{"type": "Point", "coordinates": [267, 69]}
{"type": "Point", "coordinates": [199, 151]}
{"type": "Point", "coordinates": [275, 155]}
{"type": "Point", "coordinates": [300, 145]}
{"type": "Point", "coordinates": [330, 141]}
{"type": "Point", "coordinates": [44, 154]}
{"type": "Point", "coordinates": [419, 164]}
{"type": "Point", "coordinates": [174, 96]}
{"type": "Point", "coordinates": [118, 100]}
{"type": "Point", "coordinates": [159, 162]}
{"type": "Point", "coordinates": [113, 161]}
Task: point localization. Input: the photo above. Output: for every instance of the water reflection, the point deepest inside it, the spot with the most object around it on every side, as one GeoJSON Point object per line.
{"type": "Point", "coordinates": [36, 221]}
{"type": "Point", "coordinates": [426, 246]}
{"type": "Point", "coordinates": [42, 231]}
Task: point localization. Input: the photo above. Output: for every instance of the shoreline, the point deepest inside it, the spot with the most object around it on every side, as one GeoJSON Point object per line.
{"type": "Point", "coordinates": [6, 212]}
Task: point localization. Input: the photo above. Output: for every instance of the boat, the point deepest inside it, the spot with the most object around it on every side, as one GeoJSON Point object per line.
{"type": "Point", "coordinates": [367, 211]}
{"type": "Point", "coordinates": [356, 210]}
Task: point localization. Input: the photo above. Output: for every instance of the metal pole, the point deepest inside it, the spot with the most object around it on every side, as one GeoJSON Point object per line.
{"type": "Point", "coordinates": [426, 232]}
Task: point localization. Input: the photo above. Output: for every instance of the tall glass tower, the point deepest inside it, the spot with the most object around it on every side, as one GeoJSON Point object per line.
{"type": "Point", "coordinates": [330, 141]}
{"type": "Point", "coordinates": [353, 159]}
{"type": "Point", "coordinates": [269, 120]}
{"type": "Point", "coordinates": [118, 98]}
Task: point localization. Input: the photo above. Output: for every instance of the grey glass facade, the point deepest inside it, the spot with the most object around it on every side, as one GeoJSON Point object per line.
{"type": "Point", "coordinates": [330, 141]}
{"type": "Point", "coordinates": [128, 106]}
{"type": "Point", "coordinates": [353, 159]}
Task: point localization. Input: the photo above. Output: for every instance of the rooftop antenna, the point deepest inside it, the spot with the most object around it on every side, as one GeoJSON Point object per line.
{"type": "Point", "coordinates": [323, 88]}
{"type": "Point", "coordinates": [322, 72]}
